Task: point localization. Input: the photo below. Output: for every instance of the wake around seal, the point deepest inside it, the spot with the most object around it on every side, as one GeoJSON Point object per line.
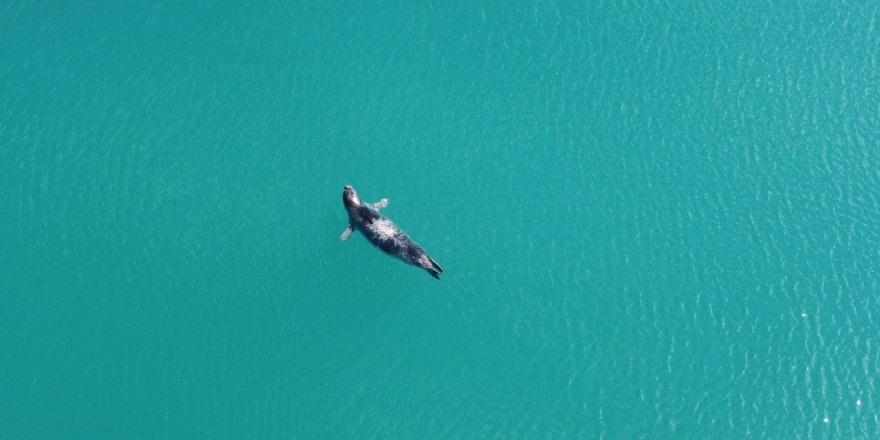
{"type": "Point", "coordinates": [383, 233]}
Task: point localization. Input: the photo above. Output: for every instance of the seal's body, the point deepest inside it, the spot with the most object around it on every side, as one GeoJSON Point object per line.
{"type": "Point", "coordinates": [383, 233]}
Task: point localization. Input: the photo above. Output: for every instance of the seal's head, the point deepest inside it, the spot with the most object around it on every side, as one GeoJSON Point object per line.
{"type": "Point", "coordinates": [350, 197]}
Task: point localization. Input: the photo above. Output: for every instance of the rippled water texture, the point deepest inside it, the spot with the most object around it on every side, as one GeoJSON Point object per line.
{"type": "Point", "coordinates": [656, 221]}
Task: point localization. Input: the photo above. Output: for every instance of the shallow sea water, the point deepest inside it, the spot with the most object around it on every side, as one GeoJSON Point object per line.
{"type": "Point", "coordinates": [656, 221]}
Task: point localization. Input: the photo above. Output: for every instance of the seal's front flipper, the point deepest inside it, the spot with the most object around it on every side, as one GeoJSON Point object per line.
{"type": "Point", "coordinates": [433, 273]}
{"type": "Point", "coordinates": [379, 205]}
{"type": "Point", "coordinates": [346, 233]}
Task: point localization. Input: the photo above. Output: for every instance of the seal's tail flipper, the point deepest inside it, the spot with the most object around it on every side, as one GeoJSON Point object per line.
{"type": "Point", "coordinates": [433, 273]}
{"type": "Point", "coordinates": [436, 266]}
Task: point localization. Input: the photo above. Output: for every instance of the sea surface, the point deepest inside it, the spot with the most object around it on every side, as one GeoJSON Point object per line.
{"type": "Point", "coordinates": [658, 220]}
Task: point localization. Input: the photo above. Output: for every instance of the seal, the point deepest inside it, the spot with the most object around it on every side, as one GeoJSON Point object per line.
{"type": "Point", "coordinates": [382, 233]}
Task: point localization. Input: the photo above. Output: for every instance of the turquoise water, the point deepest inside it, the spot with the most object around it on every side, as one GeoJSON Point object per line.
{"type": "Point", "coordinates": [656, 221]}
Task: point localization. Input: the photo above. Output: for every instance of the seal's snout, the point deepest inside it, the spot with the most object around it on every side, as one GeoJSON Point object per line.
{"type": "Point", "coordinates": [350, 197]}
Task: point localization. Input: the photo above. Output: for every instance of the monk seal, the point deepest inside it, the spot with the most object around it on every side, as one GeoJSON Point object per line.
{"type": "Point", "coordinates": [383, 233]}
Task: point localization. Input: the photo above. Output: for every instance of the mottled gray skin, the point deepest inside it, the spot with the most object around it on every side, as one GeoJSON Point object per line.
{"type": "Point", "coordinates": [384, 234]}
